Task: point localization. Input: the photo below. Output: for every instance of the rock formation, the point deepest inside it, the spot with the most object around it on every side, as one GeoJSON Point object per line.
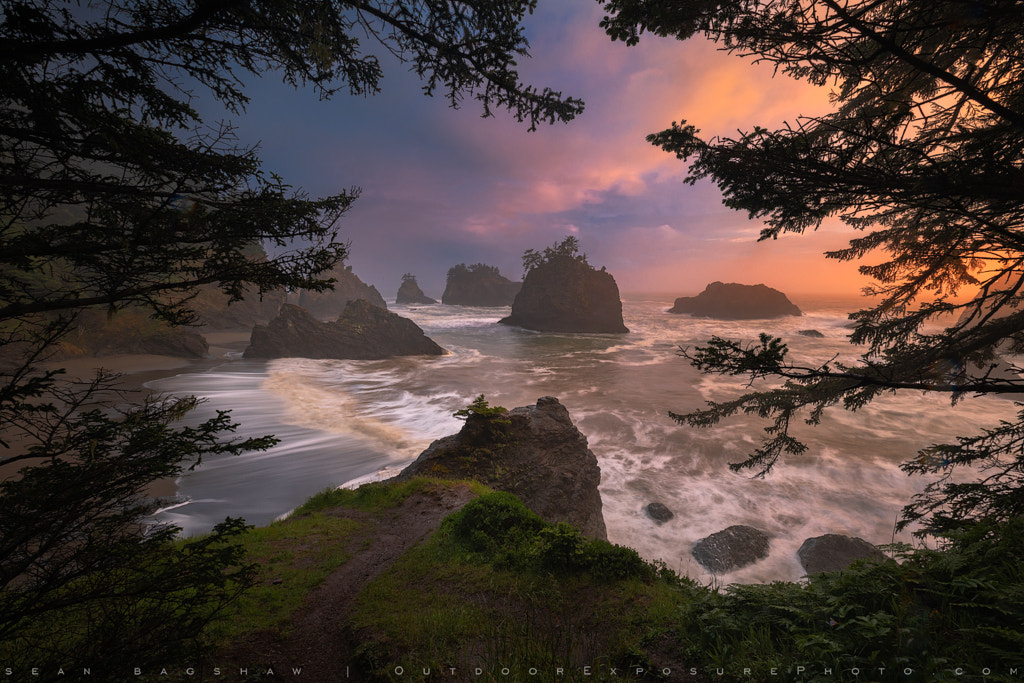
{"type": "Point", "coordinates": [328, 304]}
{"type": "Point", "coordinates": [811, 333]}
{"type": "Point", "coordinates": [833, 553]}
{"type": "Point", "coordinates": [478, 285]}
{"type": "Point", "coordinates": [659, 512]}
{"type": "Point", "coordinates": [216, 314]}
{"type": "Point", "coordinates": [129, 331]}
{"type": "Point", "coordinates": [362, 332]}
{"type": "Point", "coordinates": [566, 294]}
{"type": "Point", "coordinates": [410, 292]}
{"type": "Point", "coordinates": [534, 452]}
{"type": "Point", "coordinates": [731, 548]}
{"type": "Point", "coordinates": [736, 302]}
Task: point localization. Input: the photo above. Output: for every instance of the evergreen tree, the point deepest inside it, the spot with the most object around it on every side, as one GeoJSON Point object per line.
{"type": "Point", "coordinates": [923, 153]}
{"type": "Point", "coordinates": [114, 193]}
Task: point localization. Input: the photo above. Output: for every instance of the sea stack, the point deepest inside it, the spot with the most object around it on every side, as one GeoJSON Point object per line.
{"type": "Point", "coordinates": [362, 332]}
{"type": "Point", "coordinates": [410, 292]}
{"type": "Point", "coordinates": [564, 293]}
{"type": "Point", "coordinates": [478, 285]}
{"type": "Point", "coordinates": [732, 301]}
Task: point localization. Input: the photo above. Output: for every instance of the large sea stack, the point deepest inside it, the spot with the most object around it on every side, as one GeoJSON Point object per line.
{"type": "Point", "coordinates": [362, 332]}
{"type": "Point", "coordinates": [566, 294]}
{"type": "Point", "coordinates": [534, 452]}
{"type": "Point", "coordinates": [410, 292]}
{"type": "Point", "coordinates": [328, 304]}
{"type": "Point", "coordinates": [731, 301]}
{"type": "Point", "coordinates": [478, 285]}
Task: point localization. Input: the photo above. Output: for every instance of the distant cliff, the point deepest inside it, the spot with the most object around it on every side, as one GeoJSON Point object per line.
{"type": "Point", "coordinates": [478, 285]}
{"type": "Point", "coordinates": [329, 304]}
{"type": "Point", "coordinates": [732, 301]}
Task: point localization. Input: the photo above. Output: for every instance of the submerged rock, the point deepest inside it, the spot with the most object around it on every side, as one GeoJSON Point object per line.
{"type": "Point", "coordinates": [478, 285]}
{"type": "Point", "coordinates": [329, 303]}
{"type": "Point", "coordinates": [566, 294]}
{"type": "Point", "coordinates": [658, 512]}
{"type": "Point", "coordinates": [410, 293]}
{"type": "Point", "coordinates": [732, 548]}
{"type": "Point", "coordinates": [834, 552]}
{"type": "Point", "coordinates": [533, 452]}
{"type": "Point", "coordinates": [811, 333]}
{"type": "Point", "coordinates": [362, 332]}
{"type": "Point", "coordinates": [732, 301]}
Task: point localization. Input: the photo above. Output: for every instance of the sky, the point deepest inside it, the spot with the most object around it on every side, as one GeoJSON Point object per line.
{"type": "Point", "coordinates": [443, 186]}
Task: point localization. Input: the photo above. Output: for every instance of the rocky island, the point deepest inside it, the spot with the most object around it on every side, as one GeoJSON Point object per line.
{"type": "Point", "coordinates": [732, 301]}
{"type": "Point", "coordinates": [478, 285]}
{"type": "Point", "coordinates": [410, 293]}
{"type": "Point", "coordinates": [564, 293]}
{"type": "Point", "coordinates": [362, 332]}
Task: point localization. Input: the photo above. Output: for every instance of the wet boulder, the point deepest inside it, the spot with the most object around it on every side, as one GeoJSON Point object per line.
{"type": "Point", "coordinates": [732, 548]}
{"type": "Point", "coordinates": [834, 552]}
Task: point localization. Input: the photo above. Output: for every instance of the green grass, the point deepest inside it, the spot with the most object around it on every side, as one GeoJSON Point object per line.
{"type": "Point", "coordinates": [378, 496]}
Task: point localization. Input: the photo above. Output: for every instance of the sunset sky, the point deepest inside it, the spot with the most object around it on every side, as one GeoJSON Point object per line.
{"type": "Point", "coordinates": [443, 186]}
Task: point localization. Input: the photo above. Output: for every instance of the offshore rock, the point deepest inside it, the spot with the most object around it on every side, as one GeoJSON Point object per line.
{"type": "Point", "coordinates": [732, 548]}
{"type": "Point", "coordinates": [659, 512]}
{"type": "Point", "coordinates": [478, 285]}
{"type": "Point", "coordinates": [328, 304]}
{"type": "Point", "coordinates": [362, 332]}
{"type": "Point", "coordinates": [533, 452]}
{"type": "Point", "coordinates": [811, 333]}
{"type": "Point", "coordinates": [565, 294]}
{"type": "Point", "coordinates": [736, 302]}
{"type": "Point", "coordinates": [410, 293]}
{"type": "Point", "coordinates": [833, 553]}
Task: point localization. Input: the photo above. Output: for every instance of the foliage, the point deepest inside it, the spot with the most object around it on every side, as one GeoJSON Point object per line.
{"type": "Point", "coordinates": [482, 269]}
{"type": "Point", "coordinates": [922, 152]}
{"type": "Point", "coordinates": [115, 194]}
{"type": "Point", "coordinates": [481, 408]}
{"type": "Point", "coordinates": [933, 613]}
{"type": "Point", "coordinates": [567, 248]}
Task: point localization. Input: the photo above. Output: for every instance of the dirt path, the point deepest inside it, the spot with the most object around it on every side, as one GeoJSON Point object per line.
{"type": "Point", "coordinates": [318, 639]}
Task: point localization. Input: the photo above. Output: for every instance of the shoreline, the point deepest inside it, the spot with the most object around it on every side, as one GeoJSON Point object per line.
{"type": "Point", "coordinates": [136, 370]}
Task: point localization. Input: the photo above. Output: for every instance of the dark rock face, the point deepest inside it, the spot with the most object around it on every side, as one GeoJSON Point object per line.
{"type": "Point", "coordinates": [833, 553]}
{"type": "Point", "coordinates": [216, 314]}
{"type": "Point", "coordinates": [328, 304]}
{"type": "Point", "coordinates": [736, 302]}
{"type": "Point", "coordinates": [564, 294]}
{"type": "Point", "coordinates": [362, 332]}
{"type": "Point", "coordinates": [478, 285]}
{"type": "Point", "coordinates": [731, 548]}
{"type": "Point", "coordinates": [410, 293]}
{"type": "Point", "coordinates": [129, 331]}
{"type": "Point", "coordinates": [658, 512]}
{"type": "Point", "coordinates": [533, 452]}
{"type": "Point", "coordinates": [811, 333]}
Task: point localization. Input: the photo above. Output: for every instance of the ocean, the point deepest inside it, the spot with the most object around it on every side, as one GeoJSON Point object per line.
{"type": "Point", "coordinates": [342, 422]}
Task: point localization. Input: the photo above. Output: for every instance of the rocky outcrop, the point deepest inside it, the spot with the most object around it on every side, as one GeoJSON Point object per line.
{"type": "Point", "coordinates": [659, 512]}
{"type": "Point", "coordinates": [534, 452]}
{"type": "Point", "coordinates": [833, 553]}
{"type": "Point", "coordinates": [811, 333]}
{"type": "Point", "coordinates": [731, 548]}
{"type": "Point", "coordinates": [478, 285]}
{"type": "Point", "coordinates": [362, 332]}
{"type": "Point", "coordinates": [129, 331]}
{"type": "Point", "coordinates": [565, 294]}
{"type": "Point", "coordinates": [731, 301]}
{"type": "Point", "coordinates": [329, 303]}
{"type": "Point", "coordinates": [410, 293]}
{"type": "Point", "coordinates": [216, 314]}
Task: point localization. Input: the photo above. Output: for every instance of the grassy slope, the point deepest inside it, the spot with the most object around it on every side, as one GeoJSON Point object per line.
{"type": "Point", "coordinates": [496, 588]}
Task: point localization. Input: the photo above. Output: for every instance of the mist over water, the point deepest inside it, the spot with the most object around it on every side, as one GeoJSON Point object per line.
{"type": "Point", "coordinates": [339, 421]}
